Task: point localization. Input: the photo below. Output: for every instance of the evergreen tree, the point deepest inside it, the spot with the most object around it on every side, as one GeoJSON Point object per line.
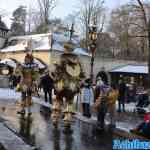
{"type": "Point", "coordinates": [19, 21]}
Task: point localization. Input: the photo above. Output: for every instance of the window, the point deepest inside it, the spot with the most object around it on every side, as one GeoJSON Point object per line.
{"type": "Point", "coordinates": [13, 42]}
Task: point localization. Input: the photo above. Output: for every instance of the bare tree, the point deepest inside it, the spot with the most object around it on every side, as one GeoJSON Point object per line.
{"type": "Point", "coordinates": [46, 7]}
{"type": "Point", "coordinates": [122, 27]}
{"type": "Point", "coordinates": [143, 9]}
{"type": "Point", "coordinates": [128, 25]}
{"type": "Point", "coordinates": [3, 12]}
{"type": "Point", "coordinates": [91, 10]}
{"type": "Point", "coordinates": [18, 26]}
{"type": "Point", "coordinates": [29, 21]}
{"type": "Point", "coordinates": [146, 12]}
{"type": "Point", "coordinates": [33, 19]}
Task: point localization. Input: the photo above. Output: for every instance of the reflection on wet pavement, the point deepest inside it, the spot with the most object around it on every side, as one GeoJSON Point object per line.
{"type": "Point", "coordinates": [25, 129]}
{"type": "Point", "coordinates": [2, 147]}
{"type": "Point", "coordinates": [37, 130]}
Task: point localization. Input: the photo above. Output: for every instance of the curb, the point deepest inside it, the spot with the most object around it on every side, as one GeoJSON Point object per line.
{"type": "Point", "coordinates": [7, 143]}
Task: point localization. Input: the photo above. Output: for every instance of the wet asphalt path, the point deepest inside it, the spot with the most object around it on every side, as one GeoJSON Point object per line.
{"type": "Point", "coordinates": [38, 131]}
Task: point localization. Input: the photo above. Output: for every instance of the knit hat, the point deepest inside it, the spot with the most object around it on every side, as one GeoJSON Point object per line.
{"type": "Point", "coordinates": [147, 117]}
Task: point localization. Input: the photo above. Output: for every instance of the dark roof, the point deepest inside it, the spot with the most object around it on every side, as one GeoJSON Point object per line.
{"type": "Point", "coordinates": [3, 26]}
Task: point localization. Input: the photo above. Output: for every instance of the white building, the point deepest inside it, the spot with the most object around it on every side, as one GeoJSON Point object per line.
{"type": "Point", "coordinates": [3, 33]}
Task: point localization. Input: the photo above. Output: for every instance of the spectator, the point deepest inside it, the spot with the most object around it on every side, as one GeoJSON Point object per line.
{"type": "Point", "coordinates": [87, 98]}
{"type": "Point", "coordinates": [141, 95]}
{"type": "Point", "coordinates": [112, 98]}
{"type": "Point", "coordinates": [18, 73]}
{"type": "Point", "coordinates": [131, 91]}
{"type": "Point", "coordinates": [47, 84]}
{"type": "Point", "coordinates": [121, 97]}
{"type": "Point", "coordinates": [102, 104]}
{"type": "Point", "coordinates": [103, 75]}
{"type": "Point", "coordinates": [11, 81]}
{"type": "Point", "coordinates": [144, 128]}
{"type": "Point", "coordinates": [140, 88]}
{"type": "Point", "coordinates": [99, 83]}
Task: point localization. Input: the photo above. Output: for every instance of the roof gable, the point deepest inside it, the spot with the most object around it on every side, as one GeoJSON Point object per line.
{"type": "Point", "coordinates": [137, 69]}
{"type": "Point", "coordinates": [41, 42]}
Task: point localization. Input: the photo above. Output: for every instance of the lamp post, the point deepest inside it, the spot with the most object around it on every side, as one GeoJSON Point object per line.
{"type": "Point", "coordinates": [51, 41]}
{"type": "Point", "coordinates": [70, 32]}
{"type": "Point", "coordinates": [92, 46]}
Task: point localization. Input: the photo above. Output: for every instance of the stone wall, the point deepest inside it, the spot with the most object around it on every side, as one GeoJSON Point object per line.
{"type": "Point", "coordinates": [2, 41]}
{"type": "Point", "coordinates": [4, 82]}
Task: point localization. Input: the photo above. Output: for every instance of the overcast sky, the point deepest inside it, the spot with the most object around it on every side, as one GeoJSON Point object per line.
{"type": "Point", "coordinates": [64, 7]}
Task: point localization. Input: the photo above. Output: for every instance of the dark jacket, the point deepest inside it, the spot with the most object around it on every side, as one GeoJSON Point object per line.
{"type": "Point", "coordinates": [47, 83]}
{"type": "Point", "coordinates": [103, 76]}
{"type": "Point", "coordinates": [122, 89]}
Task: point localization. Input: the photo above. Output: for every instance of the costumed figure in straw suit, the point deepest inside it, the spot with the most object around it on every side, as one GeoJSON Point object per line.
{"type": "Point", "coordinates": [67, 77]}
{"type": "Point", "coordinates": [29, 74]}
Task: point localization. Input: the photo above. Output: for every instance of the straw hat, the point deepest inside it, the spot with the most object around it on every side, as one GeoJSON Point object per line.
{"type": "Point", "coordinates": [68, 47]}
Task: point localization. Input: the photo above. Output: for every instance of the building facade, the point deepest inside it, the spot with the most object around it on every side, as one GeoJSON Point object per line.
{"type": "Point", "coordinates": [3, 33]}
{"type": "Point", "coordinates": [41, 46]}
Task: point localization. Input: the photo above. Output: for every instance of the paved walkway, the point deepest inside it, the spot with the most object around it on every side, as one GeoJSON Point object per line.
{"type": "Point", "coordinates": [11, 95]}
{"type": "Point", "coordinates": [124, 125]}
{"type": "Point", "coordinates": [10, 140]}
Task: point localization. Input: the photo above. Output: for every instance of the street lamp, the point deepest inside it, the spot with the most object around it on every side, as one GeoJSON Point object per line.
{"type": "Point", "coordinates": [70, 31]}
{"type": "Point", "coordinates": [92, 46]}
{"type": "Point", "coordinates": [51, 42]}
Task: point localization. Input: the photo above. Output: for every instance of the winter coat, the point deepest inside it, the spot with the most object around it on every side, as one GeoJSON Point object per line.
{"type": "Point", "coordinates": [103, 76]}
{"type": "Point", "coordinates": [112, 98]}
{"type": "Point", "coordinates": [122, 91]}
{"type": "Point", "coordinates": [47, 83]}
{"type": "Point", "coordinates": [87, 95]}
{"type": "Point", "coordinates": [101, 98]}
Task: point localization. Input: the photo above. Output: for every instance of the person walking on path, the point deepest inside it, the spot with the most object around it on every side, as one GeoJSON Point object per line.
{"type": "Point", "coordinates": [112, 98]}
{"type": "Point", "coordinates": [101, 103]}
{"type": "Point", "coordinates": [87, 98]}
{"type": "Point", "coordinates": [121, 98]}
{"type": "Point", "coordinates": [29, 74]}
{"type": "Point", "coordinates": [103, 75]}
{"type": "Point", "coordinates": [47, 84]}
{"type": "Point", "coordinates": [131, 91]}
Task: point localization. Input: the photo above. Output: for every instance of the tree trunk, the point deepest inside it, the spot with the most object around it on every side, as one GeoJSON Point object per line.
{"type": "Point", "coordinates": [149, 51]}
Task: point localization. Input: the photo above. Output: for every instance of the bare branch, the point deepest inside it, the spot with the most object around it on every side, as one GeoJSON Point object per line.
{"type": "Point", "coordinates": [139, 26]}
{"type": "Point", "coordinates": [143, 12]}
{"type": "Point", "coordinates": [46, 7]}
{"type": "Point", "coordinates": [140, 36]}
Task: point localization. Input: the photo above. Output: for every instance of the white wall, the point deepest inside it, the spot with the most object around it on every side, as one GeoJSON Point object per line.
{"type": "Point", "coordinates": [2, 41]}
